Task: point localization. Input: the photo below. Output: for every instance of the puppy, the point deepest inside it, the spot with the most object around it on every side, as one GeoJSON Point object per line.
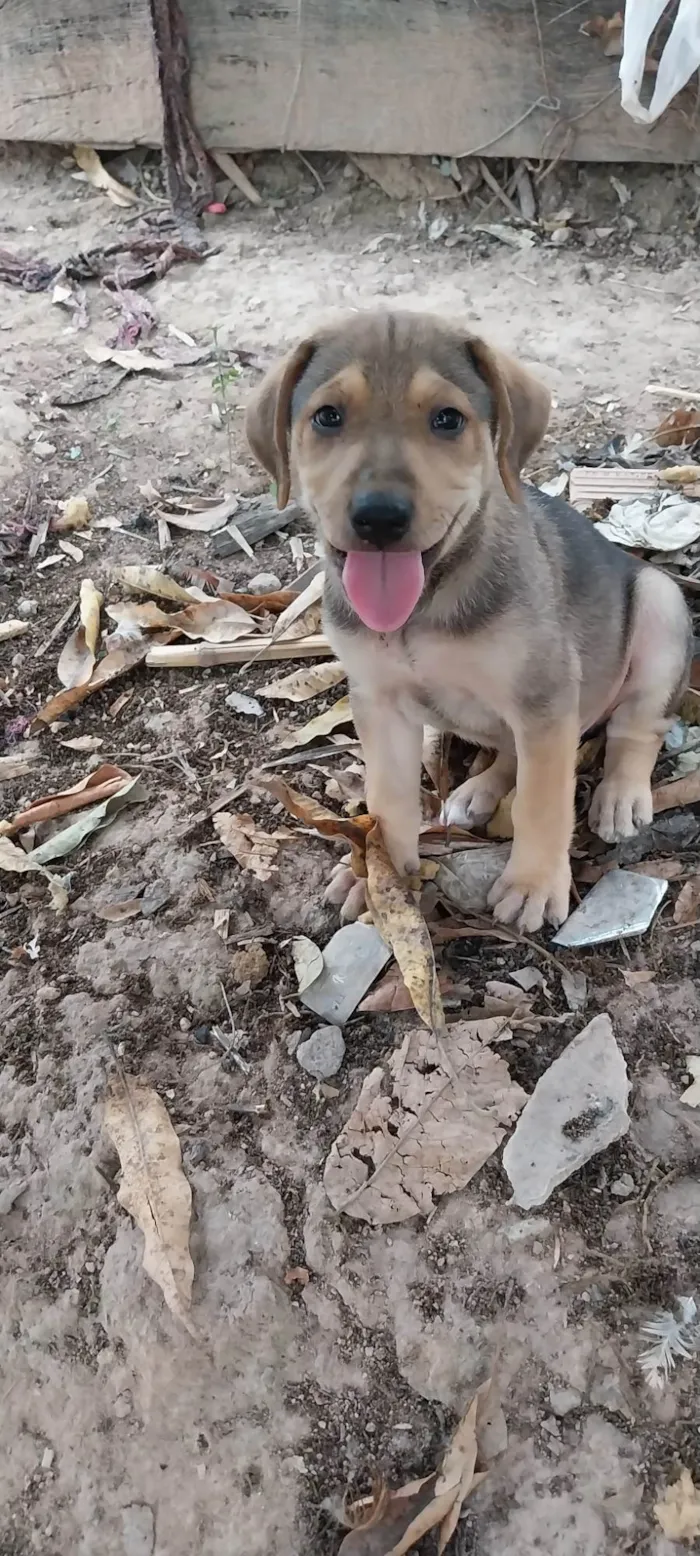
{"type": "Point", "coordinates": [460, 599]}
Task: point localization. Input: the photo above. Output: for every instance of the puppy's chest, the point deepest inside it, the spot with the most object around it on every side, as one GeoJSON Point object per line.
{"type": "Point", "coordinates": [433, 679]}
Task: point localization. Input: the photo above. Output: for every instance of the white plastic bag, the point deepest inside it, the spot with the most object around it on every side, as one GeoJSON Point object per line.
{"type": "Point", "coordinates": [680, 57]}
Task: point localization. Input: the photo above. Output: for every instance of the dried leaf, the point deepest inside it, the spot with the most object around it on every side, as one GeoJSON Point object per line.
{"type": "Point", "coordinates": [105, 781]}
{"type": "Point", "coordinates": [97, 175]}
{"type": "Point", "coordinates": [148, 615]}
{"type": "Point", "coordinates": [691, 1097]}
{"type": "Point", "coordinates": [254, 849]}
{"type": "Point", "coordinates": [308, 962]}
{"type": "Point", "coordinates": [216, 621]}
{"type": "Point", "coordinates": [208, 521]}
{"type": "Point", "coordinates": [678, 428]}
{"type": "Point", "coordinates": [150, 580]}
{"type": "Point", "coordinates": [427, 1127]}
{"type": "Point", "coordinates": [114, 664]}
{"type": "Point", "coordinates": [19, 763]}
{"type": "Point", "coordinates": [391, 993]}
{"type": "Point", "coordinates": [132, 361]}
{"type": "Point", "coordinates": [309, 596]}
{"type": "Point", "coordinates": [74, 552]}
{"type": "Point", "coordinates": [257, 604]}
{"type": "Point", "coordinates": [153, 1188]}
{"type": "Point", "coordinates": [678, 1511]}
{"type": "Point", "coordinates": [353, 829]}
{"type": "Point", "coordinates": [400, 922]}
{"type": "Point", "coordinates": [687, 906]}
{"type": "Point", "coordinates": [249, 707]}
{"type": "Point", "coordinates": [77, 659]}
{"type": "Point", "coordinates": [323, 724]}
{"type": "Point", "coordinates": [633, 976]}
{"type": "Point", "coordinates": [75, 515]}
{"type": "Point", "coordinates": [306, 683]}
{"type": "Point", "coordinates": [501, 823]}
{"type": "Point", "coordinates": [679, 792]}
{"type": "Point", "coordinates": [119, 912]}
{"type": "Point", "coordinates": [12, 629]}
{"type": "Point", "coordinates": [407, 1515]}
{"type": "Point", "coordinates": [93, 820]}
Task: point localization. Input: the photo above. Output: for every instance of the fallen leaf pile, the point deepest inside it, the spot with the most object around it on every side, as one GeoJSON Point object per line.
{"type": "Point", "coordinates": [153, 1188]}
{"type": "Point", "coordinates": [389, 1523]}
{"type": "Point", "coordinates": [426, 1124]}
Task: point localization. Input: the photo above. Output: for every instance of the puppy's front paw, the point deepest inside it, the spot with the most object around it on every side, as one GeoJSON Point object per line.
{"type": "Point", "coordinates": [531, 896]}
{"type": "Point", "coordinates": [474, 802]}
{"type": "Point", "coordinates": [619, 809]}
{"type": "Point", "coordinates": [347, 891]}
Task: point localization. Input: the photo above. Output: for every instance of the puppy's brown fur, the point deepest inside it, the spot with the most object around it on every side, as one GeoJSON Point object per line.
{"type": "Point", "coordinates": [531, 627]}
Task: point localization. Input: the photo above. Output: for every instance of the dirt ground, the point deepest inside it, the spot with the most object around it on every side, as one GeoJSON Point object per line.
{"type": "Point", "coordinates": [120, 1434]}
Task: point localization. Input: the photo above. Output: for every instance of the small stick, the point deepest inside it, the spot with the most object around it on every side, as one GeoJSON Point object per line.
{"type": "Point", "coordinates": [60, 624]}
{"type": "Point", "coordinates": [500, 194]}
{"type": "Point", "coordinates": [229, 166]}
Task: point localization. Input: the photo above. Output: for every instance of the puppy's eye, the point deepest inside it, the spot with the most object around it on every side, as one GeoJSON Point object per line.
{"type": "Point", "coordinates": [327, 419]}
{"type": "Point", "coordinates": [447, 422]}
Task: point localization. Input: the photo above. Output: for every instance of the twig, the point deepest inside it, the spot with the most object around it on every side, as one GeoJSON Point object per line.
{"type": "Point", "coordinates": [229, 166]}
{"type": "Point", "coordinates": [497, 932]}
{"type": "Point", "coordinates": [60, 624]}
{"type": "Point", "coordinates": [500, 194]}
{"type": "Point", "coordinates": [550, 105]}
{"type": "Point", "coordinates": [312, 170]}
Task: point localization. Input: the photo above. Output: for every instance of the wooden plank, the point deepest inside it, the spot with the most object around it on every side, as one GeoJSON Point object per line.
{"type": "Point", "coordinates": [416, 76]}
{"type": "Point", "coordinates": [84, 70]}
{"type": "Point", "coordinates": [200, 656]}
{"type": "Point", "coordinates": [405, 76]}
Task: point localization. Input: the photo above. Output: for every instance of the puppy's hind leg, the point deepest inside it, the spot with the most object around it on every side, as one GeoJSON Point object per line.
{"type": "Point", "coordinates": [661, 651]}
{"type": "Point", "coordinates": [474, 802]}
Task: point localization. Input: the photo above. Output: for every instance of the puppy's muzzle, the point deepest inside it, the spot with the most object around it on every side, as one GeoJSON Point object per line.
{"type": "Point", "coordinates": [381, 517]}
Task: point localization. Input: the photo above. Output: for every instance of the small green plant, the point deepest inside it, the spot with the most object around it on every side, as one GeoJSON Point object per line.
{"type": "Point", "coordinates": [226, 374]}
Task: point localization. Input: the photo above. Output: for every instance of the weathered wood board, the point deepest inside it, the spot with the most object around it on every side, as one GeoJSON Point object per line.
{"type": "Point", "coordinates": [416, 76]}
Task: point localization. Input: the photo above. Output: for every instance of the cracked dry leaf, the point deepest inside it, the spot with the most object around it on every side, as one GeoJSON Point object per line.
{"type": "Point", "coordinates": [308, 961]}
{"type": "Point", "coordinates": [687, 906]}
{"type": "Point", "coordinates": [303, 684]}
{"type": "Point", "coordinates": [306, 809]}
{"type": "Point", "coordinates": [401, 923]}
{"type": "Point", "coordinates": [216, 621]}
{"type": "Point", "coordinates": [153, 1188]}
{"type": "Point", "coordinates": [323, 724]}
{"type": "Point", "coordinates": [426, 1124]}
{"type": "Point", "coordinates": [391, 1523]}
{"type": "Point", "coordinates": [150, 580]}
{"type": "Point", "coordinates": [77, 659]}
{"type": "Point", "coordinates": [678, 1511]}
{"type": "Point", "coordinates": [254, 849]}
{"type": "Point", "coordinates": [116, 663]}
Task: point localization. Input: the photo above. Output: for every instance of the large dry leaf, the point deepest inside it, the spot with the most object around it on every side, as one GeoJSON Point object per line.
{"type": "Point", "coordinates": [146, 614]}
{"type": "Point", "coordinates": [94, 819]}
{"type": "Point", "coordinates": [399, 920]}
{"type": "Point", "coordinates": [208, 521]}
{"type": "Point", "coordinates": [216, 621]}
{"type": "Point", "coordinates": [132, 360]}
{"type": "Point", "coordinates": [77, 660]}
{"type": "Point", "coordinates": [254, 849]}
{"type": "Point", "coordinates": [303, 684]}
{"type": "Point", "coordinates": [680, 791]}
{"type": "Point", "coordinates": [678, 428]}
{"type": "Point", "coordinates": [153, 1188]}
{"type": "Point", "coordinates": [150, 580]}
{"type": "Point", "coordinates": [308, 810]}
{"type": "Point", "coordinates": [114, 664]}
{"type": "Point", "coordinates": [100, 785]}
{"type": "Point", "coordinates": [316, 729]}
{"type": "Point", "coordinates": [97, 175]}
{"type": "Point", "coordinates": [687, 906]}
{"type": "Point", "coordinates": [678, 1511]}
{"type": "Point", "coordinates": [405, 1516]}
{"type": "Point", "coordinates": [426, 1127]}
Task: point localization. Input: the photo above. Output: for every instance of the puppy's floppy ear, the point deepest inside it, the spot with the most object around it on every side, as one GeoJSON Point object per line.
{"type": "Point", "coordinates": [268, 416]}
{"type": "Point", "coordinates": [520, 411]}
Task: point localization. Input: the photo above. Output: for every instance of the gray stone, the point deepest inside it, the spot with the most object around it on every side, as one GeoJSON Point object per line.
{"type": "Point", "coordinates": [563, 1401]}
{"type": "Point", "coordinates": [466, 879]}
{"type": "Point", "coordinates": [138, 1529]}
{"type": "Point", "coordinates": [619, 905]}
{"type": "Point", "coordinates": [263, 583]}
{"type": "Point", "coordinates": [323, 1052]}
{"type": "Point", "coordinates": [578, 1108]}
{"type": "Point", "coordinates": [27, 609]}
{"type": "Point", "coordinates": [353, 958]}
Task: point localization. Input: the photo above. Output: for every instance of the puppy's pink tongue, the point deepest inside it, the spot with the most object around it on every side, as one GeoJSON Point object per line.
{"type": "Point", "coordinates": [383, 586]}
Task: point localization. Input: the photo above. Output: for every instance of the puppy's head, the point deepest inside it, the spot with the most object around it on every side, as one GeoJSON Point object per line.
{"type": "Point", "coordinates": [394, 426]}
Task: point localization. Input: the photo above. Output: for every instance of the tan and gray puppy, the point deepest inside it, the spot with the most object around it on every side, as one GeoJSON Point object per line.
{"type": "Point", "coordinates": [459, 599]}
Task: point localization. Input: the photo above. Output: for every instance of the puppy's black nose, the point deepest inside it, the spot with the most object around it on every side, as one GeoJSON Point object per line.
{"type": "Point", "coordinates": [381, 517]}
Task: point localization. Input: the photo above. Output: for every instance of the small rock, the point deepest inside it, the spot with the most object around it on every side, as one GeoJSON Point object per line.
{"type": "Point", "coordinates": [606, 1394]}
{"type": "Point", "coordinates": [27, 609]}
{"type": "Point", "coordinates": [623, 1186]}
{"type": "Point", "coordinates": [138, 1530]}
{"type": "Point", "coordinates": [563, 1401]}
{"type": "Point", "coordinates": [527, 978]}
{"type": "Point", "coordinates": [578, 1108]}
{"type": "Point", "coordinates": [263, 583]}
{"type": "Point", "coordinates": [574, 987]}
{"type": "Point", "coordinates": [560, 236]}
{"type": "Point", "coordinates": [47, 1458]}
{"type": "Point", "coordinates": [323, 1052]}
{"type": "Point", "coordinates": [353, 958]}
{"type": "Point", "coordinates": [44, 450]}
{"type": "Point", "coordinates": [155, 896]}
{"type": "Point", "coordinates": [249, 706]}
{"type": "Point", "coordinates": [250, 965]}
